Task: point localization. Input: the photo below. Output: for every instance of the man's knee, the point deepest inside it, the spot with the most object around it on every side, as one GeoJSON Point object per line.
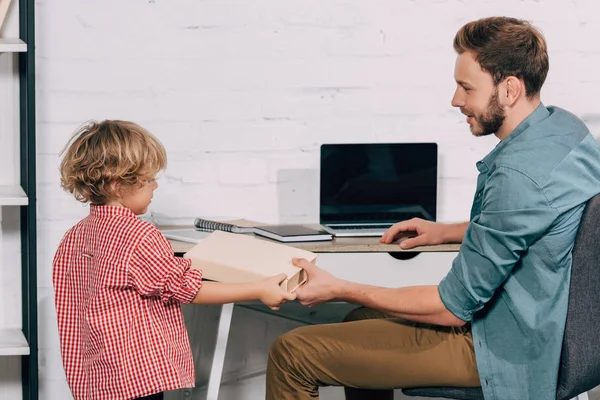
{"type": "Point", "coordinates": [286, 346]}
{"type": "Point", "coordinates": [290, 367]}
{"type": "Point", "coordinates": [278, 349]}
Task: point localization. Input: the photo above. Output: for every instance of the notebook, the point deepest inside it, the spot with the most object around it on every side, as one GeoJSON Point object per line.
{"type": "Point", "coordinates": [367, 187]}
{"type": "Point", "coordinates": [292, 233]}
{"type": "Point", "coordinates": [236, 226]}
{"type": "Point", "coordinates": [227, 257]}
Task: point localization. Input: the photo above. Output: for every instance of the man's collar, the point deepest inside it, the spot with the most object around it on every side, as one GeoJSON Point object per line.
{"type": "Point", "coordinates": [538, 115]}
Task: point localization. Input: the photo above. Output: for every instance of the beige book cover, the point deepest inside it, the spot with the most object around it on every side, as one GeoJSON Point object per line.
{"type": "Point", "coordinates": [4, 4]}
{"type": "Point", "coordinates": [230, 257]}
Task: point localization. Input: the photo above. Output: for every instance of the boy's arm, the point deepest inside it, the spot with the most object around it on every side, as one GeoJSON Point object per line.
{"type": "Point", "coordinates": [267, 290]}
{"type": "Point", "coordinates": [155, 271]}
{"type": "Point", "coordinates": [222, 293]}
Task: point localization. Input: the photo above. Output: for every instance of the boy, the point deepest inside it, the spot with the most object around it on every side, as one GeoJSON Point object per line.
{"type": "Point", "coordinates": [118, 286]}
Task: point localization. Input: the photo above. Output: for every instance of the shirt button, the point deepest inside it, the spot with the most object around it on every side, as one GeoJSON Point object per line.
{"type": "Point", "coordinates": [479, 194]}
{"type": "Point", "coordinates": [479, 343]}
{"type": "Point", "coordinates": [187, 393]}
{"type": "Point", "coordinates": [486, 383]}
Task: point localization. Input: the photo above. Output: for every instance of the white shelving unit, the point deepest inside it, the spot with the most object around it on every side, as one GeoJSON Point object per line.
{"type": "Point", "coordinates": [12, 340]}
{"type": "Point", "coordinates": [12, 195]}
{"type": "Point", "coordinates": [18, 283]}
{"type": "Point", "coordinates": [13, 343]}
{"type": "Point", "coordinates": [12, 45]}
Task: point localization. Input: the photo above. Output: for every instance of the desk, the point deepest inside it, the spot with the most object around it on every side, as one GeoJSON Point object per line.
{"type": "Point", "coordinates": [337, 245]}
{"type": "Point", "coordinates": [346, 258]}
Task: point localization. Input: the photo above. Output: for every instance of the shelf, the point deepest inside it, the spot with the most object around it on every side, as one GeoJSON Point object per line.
{"type": "Point", "coordinates": [13, 343]}
{"type": "Point", "coordinates": [11, 45]}
{"type": "Point", "coordinates": [12, 195]}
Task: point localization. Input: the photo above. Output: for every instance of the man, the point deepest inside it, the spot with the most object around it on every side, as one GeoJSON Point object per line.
{"type": "Point", "coordinates": [497, 319]}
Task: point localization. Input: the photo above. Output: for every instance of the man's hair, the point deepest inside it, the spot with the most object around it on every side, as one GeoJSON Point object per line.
{"type": "Point", "coordinates": [103, 154]}
{"type": "Point", "coordinates": [506, 47]}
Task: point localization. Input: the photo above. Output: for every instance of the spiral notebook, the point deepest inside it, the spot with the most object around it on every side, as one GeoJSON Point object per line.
{"type": "Point", "coordinates": [236, 226]}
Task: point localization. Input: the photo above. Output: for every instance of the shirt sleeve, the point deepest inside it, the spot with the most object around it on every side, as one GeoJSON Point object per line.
{"type": "Point", "coordinates": [514, 214]}
{"type": "Point", "coordinates": [155, 271]}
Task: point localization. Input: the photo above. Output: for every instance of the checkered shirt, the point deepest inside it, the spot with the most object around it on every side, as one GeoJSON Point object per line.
{"type": "Point", "coordinates": [118, 289]}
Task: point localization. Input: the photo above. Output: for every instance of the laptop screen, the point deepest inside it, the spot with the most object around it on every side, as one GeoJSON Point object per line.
{"type": "Point", "coordinates": [377, 182]}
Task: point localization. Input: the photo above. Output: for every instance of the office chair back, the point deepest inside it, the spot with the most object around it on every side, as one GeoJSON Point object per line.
{"type": "Point", "coordinates": [580, 359]}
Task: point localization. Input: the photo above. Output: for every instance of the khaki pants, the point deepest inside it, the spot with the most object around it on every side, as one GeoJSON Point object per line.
{"type": "Point", "coordinates": [371, 351]}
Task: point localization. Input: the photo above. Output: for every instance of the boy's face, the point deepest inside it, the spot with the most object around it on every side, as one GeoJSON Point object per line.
{"type": "Point", "coordinates": [138, 198]}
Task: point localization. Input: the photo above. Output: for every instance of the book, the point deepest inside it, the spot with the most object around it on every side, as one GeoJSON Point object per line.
{"type": "Point", "coordinates": [4, 5]}
{"type": "Point", "coordinates": [237, 226]}
{"type": "Point", "coordinates": [228, 257]}
{"type": "Point", "coordinates": [292, 233]}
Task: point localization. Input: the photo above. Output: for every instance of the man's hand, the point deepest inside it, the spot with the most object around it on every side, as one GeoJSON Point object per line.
{"type": "Point", "coordinates": [320, 285]}
{"type": "Point", "coordinates": [272, 294]}
{"type": "Point", "coordinates": [428, 233]}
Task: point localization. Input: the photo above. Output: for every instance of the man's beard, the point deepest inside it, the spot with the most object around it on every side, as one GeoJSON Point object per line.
{"type": "Point", "coordinates": [492, 119]}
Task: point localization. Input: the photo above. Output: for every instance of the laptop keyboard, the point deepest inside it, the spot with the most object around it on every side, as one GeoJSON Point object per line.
{"type": "Point", "coordinates": [378, 226]}
{"type": "Point", "coordinates": [358, 226]}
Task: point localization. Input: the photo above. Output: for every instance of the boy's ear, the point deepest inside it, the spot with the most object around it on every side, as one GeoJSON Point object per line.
{"type": "Point", "coordinates": [115, 190]}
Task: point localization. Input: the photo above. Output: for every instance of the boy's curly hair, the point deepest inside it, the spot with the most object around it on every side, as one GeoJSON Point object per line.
{"type": "Point", "coordinates": [102, 156]}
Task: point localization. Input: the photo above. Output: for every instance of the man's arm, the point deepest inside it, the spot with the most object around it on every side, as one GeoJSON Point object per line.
{"type": "Point", "coordinates": [416, 303]}
{"type": "Point", "coordinates": [428, 233]}
{"type": "Point", "coordinates": [455, 233]}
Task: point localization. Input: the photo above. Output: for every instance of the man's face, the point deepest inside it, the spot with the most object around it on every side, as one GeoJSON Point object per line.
{"type": "Point", "coordinates": [477, 96]}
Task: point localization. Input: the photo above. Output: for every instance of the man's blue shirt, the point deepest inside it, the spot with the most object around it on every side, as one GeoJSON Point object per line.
{"type": "Point", "coordinates": [511, 276]}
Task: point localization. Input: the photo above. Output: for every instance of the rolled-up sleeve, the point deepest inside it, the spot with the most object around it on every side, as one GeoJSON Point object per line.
{"type": "Point", "coordinates": [155, 271]}
{"type": "Point", "coordinates": [514, 213]}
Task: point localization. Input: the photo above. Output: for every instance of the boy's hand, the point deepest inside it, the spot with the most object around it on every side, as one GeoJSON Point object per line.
{"type": "Point", "coordinates": [272, 294]}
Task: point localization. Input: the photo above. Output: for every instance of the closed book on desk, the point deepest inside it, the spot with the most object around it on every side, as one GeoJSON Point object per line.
{"type": "Point", "coordinates": [229, 257]}
{"type": "Point", "coordinates": [292, 233]}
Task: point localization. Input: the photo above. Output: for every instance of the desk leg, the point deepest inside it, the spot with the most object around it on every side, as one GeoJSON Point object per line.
{"type": "Point", "coordinates": [216, 371]}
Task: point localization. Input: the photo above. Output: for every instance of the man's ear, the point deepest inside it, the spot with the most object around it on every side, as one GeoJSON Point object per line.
{"type": "Point", "coordinates": [514, 88]}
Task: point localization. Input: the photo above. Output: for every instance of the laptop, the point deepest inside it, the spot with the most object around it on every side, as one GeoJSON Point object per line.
{"type": "Point", "coordinates": [367, 187]}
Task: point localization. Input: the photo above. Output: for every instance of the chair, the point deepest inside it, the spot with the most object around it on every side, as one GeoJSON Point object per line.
{"type": "Point", "coordinates": [580, 358]}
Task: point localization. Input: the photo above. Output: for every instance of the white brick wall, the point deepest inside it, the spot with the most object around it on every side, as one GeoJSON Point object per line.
{"type": "Point", "coordinates": [243, 93]}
